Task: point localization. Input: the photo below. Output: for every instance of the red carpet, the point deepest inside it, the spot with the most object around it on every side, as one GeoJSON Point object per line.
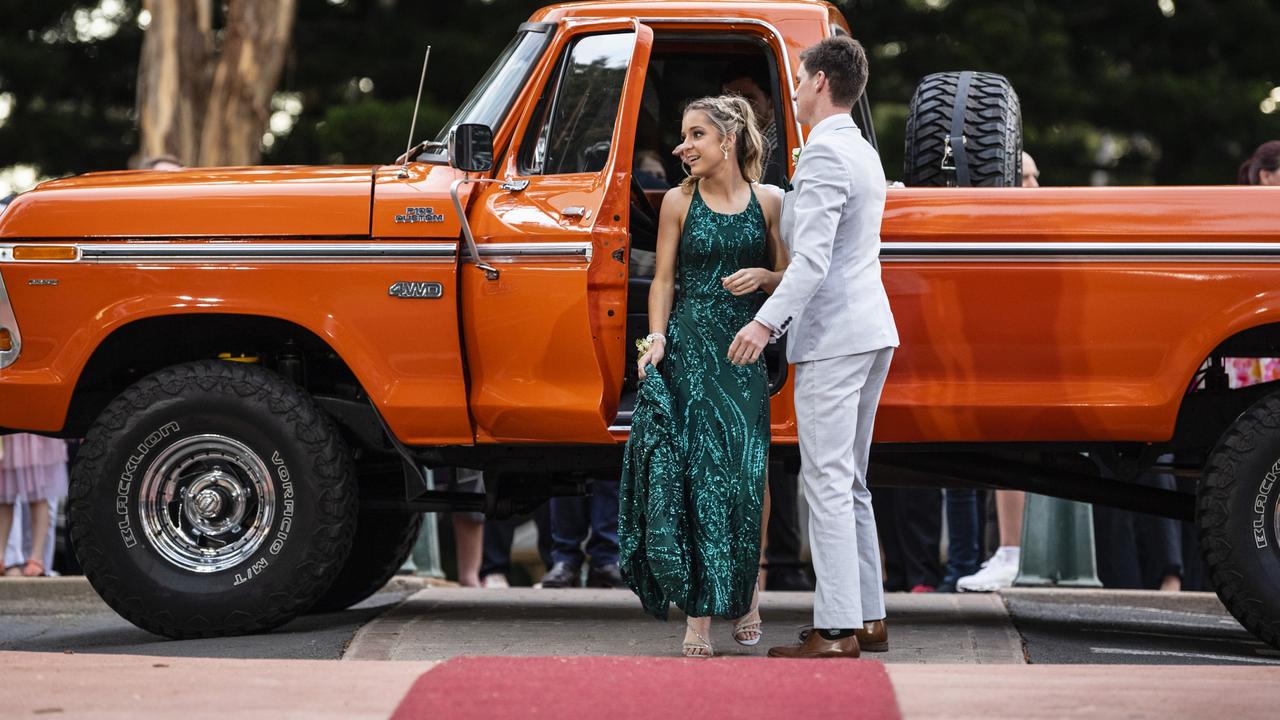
{"type": "Point", "coordinates": [621, 688]}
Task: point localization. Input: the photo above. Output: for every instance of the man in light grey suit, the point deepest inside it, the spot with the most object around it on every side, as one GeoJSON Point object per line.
{"type": "Point", "coordinates": [841, 337]}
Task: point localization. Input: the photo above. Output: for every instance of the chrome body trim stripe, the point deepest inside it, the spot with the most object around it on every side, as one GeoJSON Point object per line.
{"type": "Point", "coordinates": [10, 322]}
{"type": "Point", "coordinates": [306, 252]}
{"type": "Point", "coordinates": [788, 89]}
{"type": "Point", "coordinates": [147, 251]}
{"type": "Point", "coordinates": [1078, 252]}
{"type": "Point", "coordinates": [534, 252]}
{"type": "Point", "coordinates": [198, 252]}
{"type": "Point", "coordinates": [142, 251]}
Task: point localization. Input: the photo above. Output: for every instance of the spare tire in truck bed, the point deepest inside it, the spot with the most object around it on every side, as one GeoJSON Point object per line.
{"type": "Point", "coordinates": [990, 154]}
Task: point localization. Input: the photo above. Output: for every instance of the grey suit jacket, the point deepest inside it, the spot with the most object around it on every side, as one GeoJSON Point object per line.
{"type": "Point", "coordinates": [831, 300]}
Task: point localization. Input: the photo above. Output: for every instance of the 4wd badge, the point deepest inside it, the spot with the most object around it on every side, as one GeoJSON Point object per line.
{"type": "Point", "coordinates": [416, 290]}
{"type": "Point", "coordinates": [420, 215]}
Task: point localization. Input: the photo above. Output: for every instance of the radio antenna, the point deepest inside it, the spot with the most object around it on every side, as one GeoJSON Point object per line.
{"type": "Point", "coordinates": [404, 169]}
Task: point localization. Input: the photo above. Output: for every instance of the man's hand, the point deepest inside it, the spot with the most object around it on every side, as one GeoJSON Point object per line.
{"type": "Point", "coordinates": [749, 343]}
{"type": "Point", "coordinates": [745, 281]}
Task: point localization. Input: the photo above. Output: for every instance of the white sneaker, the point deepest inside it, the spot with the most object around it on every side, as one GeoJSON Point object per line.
{"type": "Point", "coordinates": [997, 573]}
{"type": "Point", "coordinates": [495, 581]}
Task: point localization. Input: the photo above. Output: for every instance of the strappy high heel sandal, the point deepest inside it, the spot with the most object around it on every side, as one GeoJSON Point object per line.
{"type": "Point", "coordinates": [701, 649]}
{"type": "Point", "coordinates": [748, 632]}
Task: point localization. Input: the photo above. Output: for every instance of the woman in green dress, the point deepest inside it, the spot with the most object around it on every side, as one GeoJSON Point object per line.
{"type": "Point", "coordinates": [693, 477]}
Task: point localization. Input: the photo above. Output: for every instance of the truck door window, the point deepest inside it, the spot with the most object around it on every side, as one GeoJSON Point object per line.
{"type": "Point", "coordinates": [573, 125]}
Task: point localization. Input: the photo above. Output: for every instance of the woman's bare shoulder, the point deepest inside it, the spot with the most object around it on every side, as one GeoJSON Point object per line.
{"type": "Point", "coordinates": [770, 198]}
{"type": "Point", "coordinates": [677, 200]}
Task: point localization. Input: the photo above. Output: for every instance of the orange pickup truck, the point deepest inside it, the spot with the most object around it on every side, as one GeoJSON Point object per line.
{"type": "Point", "coordinates": [262, 360]}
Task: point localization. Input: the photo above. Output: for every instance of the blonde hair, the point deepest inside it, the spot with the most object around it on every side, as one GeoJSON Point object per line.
{"type": "Point", "coordinates": [732, 114]}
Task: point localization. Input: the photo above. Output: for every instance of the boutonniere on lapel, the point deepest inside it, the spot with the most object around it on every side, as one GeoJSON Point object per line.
{"type": "Point", "coordinates": [795, 163]}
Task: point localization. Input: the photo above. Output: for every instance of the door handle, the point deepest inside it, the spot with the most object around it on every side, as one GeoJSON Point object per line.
{"type": "Point", "coordinates": [576, 211]}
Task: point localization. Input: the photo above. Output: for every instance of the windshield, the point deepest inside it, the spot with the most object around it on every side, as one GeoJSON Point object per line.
{"type": "Point", "coordinates": [492, 97]}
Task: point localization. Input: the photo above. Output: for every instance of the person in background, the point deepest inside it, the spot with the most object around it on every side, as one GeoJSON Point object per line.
{"type": "Point", "coordinates": [650, 172]}
{"type": "Point", "coordinates": [1263, 166]}
{"type": "Point", "coordinates": [33, 468]}
{"type": "Point", "coordinates": [1001, 569]}
{"type": "Point", "coordinates": [161, 162]}
{"type": "Point", "coordinates": [468, 527]}
{"type": "Point", "coordinates": [909, 522]}
{"type": "Point", "coordinates": [964, 539]}
{"type": "Point", "coordinates": [783, 567]}
{"type": "Point", "coordinates": [750, 81]}
{"type": "Point", "coordinates": [1137, 551]}
{"type": "Point", "coordinates": [593, 520]}
{"type": "Point", "coordinates": [499, 535]}
{"type": "Point", "coordinates": [1030, 171]}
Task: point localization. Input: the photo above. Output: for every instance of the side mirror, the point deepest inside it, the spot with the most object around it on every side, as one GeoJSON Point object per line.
{"type": "Point", "coordinates": [471, 147]}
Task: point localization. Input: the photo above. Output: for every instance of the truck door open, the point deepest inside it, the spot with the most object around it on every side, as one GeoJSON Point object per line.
{"type": "Point", "coordinates": [544, 327]}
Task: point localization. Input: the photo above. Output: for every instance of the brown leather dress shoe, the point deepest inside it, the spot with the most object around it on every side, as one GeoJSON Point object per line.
{"type": "Point", "coordinates": [816, 646]}
{"type": "Point", "coordinates": [873, 636]}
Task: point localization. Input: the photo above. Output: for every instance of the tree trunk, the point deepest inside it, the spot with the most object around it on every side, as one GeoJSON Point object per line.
{"type": "Point", "coordinates": [253, 53]}
{"type": "Point", "coordinates": [204, 105]}
{"type": "Point", "coordinates": [173, 78]}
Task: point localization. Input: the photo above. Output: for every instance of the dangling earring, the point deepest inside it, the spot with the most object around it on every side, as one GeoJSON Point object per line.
{"type": "Point", "coordinates": [725, 150]}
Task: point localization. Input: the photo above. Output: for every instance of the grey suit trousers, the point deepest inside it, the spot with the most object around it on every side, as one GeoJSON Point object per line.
{"type": "Point", "coordinates": [835, 401]}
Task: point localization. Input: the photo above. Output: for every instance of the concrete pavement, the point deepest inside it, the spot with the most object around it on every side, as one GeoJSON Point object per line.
{"type": "Point", "coordinates": [1092, 692]}
{"type": "Point", "coordinates": [956, 656]}
{"type": "Point", "coordinates": [154, 688]}
{"type": "Point", "coordinates": [132, 687]}
{"type": "Point", "coordinates": [439, 623]}
{"type": "Point", "coordinates": [1131, 627]}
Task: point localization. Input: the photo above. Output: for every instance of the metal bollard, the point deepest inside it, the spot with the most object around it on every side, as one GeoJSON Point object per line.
{"type": "Point", "coordinates": [1057, 544]}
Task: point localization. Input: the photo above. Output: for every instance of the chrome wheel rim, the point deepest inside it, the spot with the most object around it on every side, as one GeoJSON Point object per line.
{"type": "Point", "coordinates": [206, 503]}
{"type": "Point", "coordinates": [1275, 520]}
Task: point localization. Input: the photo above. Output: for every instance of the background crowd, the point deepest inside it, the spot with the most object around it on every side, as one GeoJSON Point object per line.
{"type": "Point", "coordinates": [1138, 92]}
{"type": "Point", "coordinates": [1164, 92]}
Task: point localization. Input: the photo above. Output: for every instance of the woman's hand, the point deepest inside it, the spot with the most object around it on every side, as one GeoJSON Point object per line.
{"type": "Point", "coordinates": [657, 351]}
{"type": "Point", "coordinates": [747, 281]}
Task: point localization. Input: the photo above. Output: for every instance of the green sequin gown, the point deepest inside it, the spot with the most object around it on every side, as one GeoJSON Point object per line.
{"type": "Point", "coordinates": [693, 473]}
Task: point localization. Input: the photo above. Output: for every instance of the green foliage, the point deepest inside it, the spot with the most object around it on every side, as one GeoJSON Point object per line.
{"type": "Point", "coordinates": [1106, 85]}
{"type": "Point", "coordinates": [336, 45]}
{"type": "Point", "coordinates": [72, 105]}
{"type": "Point", "coordinates": [365, 131]}
{"type": "Point", "coordinates": [1112, 86]}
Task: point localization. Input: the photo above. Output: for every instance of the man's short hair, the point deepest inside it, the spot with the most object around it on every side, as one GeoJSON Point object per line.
{"type": "Point", "coordinates": [844, 62]}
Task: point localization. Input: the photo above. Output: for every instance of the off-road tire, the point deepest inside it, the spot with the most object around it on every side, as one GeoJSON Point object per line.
{"type": "Point", "coordinates": [992, 131]}
{"type": "Point", "coordinates": [1236, 507]}
{"type": "Point", "coordinates": [382, 543]}
{"type": "Point", "coordinates": [140, 439]}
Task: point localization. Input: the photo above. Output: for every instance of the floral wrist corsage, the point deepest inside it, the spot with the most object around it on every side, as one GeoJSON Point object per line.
{"type": "Point", "coordinates": [645, 344]}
